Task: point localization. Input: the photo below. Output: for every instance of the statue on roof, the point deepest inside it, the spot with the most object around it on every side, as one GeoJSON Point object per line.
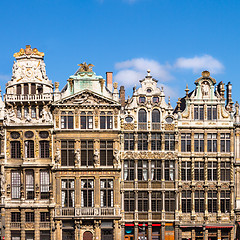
{"type": "Point", "coordinates": [28, 51]}
{"type": "Point", "coordinates": [84, 67]}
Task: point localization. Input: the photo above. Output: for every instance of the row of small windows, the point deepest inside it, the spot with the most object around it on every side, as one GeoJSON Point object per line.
{"type": "Point", "coordinates": [30, 217]}
{"type": "Point", "coordinates": [29, 111]}
{"type": "Point", "coordinates": [87, 153]}
{"type": "Point", "coordinates": [199, 142]}
{"type": "Point", "coordinates": [156, 142]}
{"type": "Point", "coordinates": [16, 184]}
{"type": "Point", "coordinates": [86, 120]}
{"type": "Point", "coordinates": [199, 112]}
{"type": "Point", "coordinates": [87, 192]}
{"type": "Point", "coordinates": [142, 171]}
{"type": "Point", "coordinates": [143, 99]}
{"type": "Point", "coordinates": [140, 201]}
{"type": "Point", "coordinates": [29, 151]}
{"type": "Point", "coordinates": [157, 170]}
{"type": "Point", "coordinates": [212, 171]}
{"type": "Point", "coordinates": [29, 89]}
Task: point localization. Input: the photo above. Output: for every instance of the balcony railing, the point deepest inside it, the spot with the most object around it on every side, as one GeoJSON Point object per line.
{"type": "Point", "coordinates": [142, 126]}
{"type": "Point", "coordinates": [29, 97]}
{"type": "Point", "coordinates": [156, 126]}
{"type": "Point", "coordinates": [86, 212]}
{"type": "Point", "coordinates": [44, 225]}
{"type": "Point", "coordinates": [15, 224]}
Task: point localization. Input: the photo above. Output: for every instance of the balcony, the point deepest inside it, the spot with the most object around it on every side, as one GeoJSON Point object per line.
{"type": "Point", "coordinates": [87, 212]}
{"type": "Point", "coordinates": [15, 224]}
{"type": "Point", "coordinates": [44, 224]}
{"type": "Point", "coordinates": [29, 97]}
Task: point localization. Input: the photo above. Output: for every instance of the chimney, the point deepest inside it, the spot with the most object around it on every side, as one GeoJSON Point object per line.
{"type": "Point", "coordinates": [122, 96]}
{"type": "Point", "coordinates": [109, 80]}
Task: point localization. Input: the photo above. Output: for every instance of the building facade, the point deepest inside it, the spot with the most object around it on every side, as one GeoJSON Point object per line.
{"type": "Point", "coordinates": [85, 163]}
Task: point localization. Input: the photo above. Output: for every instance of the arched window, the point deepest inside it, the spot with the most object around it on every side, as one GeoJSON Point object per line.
{"type": "Point", "coordinates": [142, 119]}
{"type": "Point", "coordinates": [155, 119]}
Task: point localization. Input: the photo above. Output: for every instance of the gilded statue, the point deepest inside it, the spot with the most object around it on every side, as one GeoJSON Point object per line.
{"type": "Point", "coordinates": [84, 67]}
{"type": "Point", "coordinates": [28, 51]}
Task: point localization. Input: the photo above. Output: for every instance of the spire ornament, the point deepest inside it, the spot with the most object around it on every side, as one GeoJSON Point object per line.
{"type": "Point", "coordinates": [84, 67]}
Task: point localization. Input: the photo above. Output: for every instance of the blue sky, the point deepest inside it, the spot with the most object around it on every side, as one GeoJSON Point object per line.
{"type": "Point", "coordinates": [175, 39]}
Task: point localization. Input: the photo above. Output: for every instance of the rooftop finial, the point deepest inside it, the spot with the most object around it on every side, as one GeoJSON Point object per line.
{"type": "Point", "coordinates": [187, 90]}
{"type": "Point", "coordinates": [148, 71]}
{"type": "Point", "coordinates": [206, 74]}
{"type": "Point", "coordinates": [84, 67]}
{"type": "Point", "coordinates": [28, 51]}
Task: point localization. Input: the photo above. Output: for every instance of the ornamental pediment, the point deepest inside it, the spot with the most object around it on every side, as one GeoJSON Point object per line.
{"type": "Point", "coordinates": [87, 98]}
{"type": "Point", "coordinates": [150, 155]}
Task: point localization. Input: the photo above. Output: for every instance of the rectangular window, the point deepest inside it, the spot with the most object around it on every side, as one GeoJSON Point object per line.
{"type": "Point", "coordinates": [67, 153]}
{"type": "Point", "coordinates": [29, 184]}
{"type": "Point", "coordinates": [225, 142]}
{"type": "Point", "coordinates": [225, 201]}
{"type": "Point", "coordinates": [199, 171]}
{"type": "Point", "coordinates": [19, 112]}
{"type": "Point", "coordinates": [44, 184]}
{"type": "Point", "coordinates": [15, 149]}
{"type": "Point", "coordinates": [67, 120]}
{"type": "Point", "coordinates": [142, 141]}
{"type": "Point", "coordinates": [106, 192]}
{"type": "Point", "coordinates": [19, 89]}
{"type": "Point", "coordinates": [212, 201]}
{"type": "Point", "coordinates": [169, 142]}
{"type": "Point", "coordinates": [186, 171]}
{"type": "Point", "coordinates": [156, 170]}
{"type": "Point", "coordinates": [128, 170]}
{"type": "Point", "coordinates": [15, 217]}
{"type": "Point", "coordinates": [186, 142]}
{"type": "Point", "coordinates": [198, 112]}
{"type": "Point", "coordinates": [33, 112]}
{"type": "Point", "coordinates": [129, 201]}
{"type": "Point", "coordinates": [86, 120]}
{"type": "Point", "coordinates": [186, 201]}
{"type": "Point", "coordinates": [156, 201]}
{"type": "Point", "coordinates": [29, 216]}
{"type": "Point", "coordinates": [106, 153]}
{"type": "Point", "coordinates": [142, 201]}
{"type": "Point", "coordinates": [128, 141]}
{"type": "Point", "coordinates": [212, 142]}
{"type": "Point", "coordinates": [68, 193]}
{"type": "Point", "coordinates": [25, 89]}
{"type": "Point", "coordinates": [225, 171]}
{"type": "Point", "coordinates": [169, 201]}
{"type": "Point", "coordinates": [16, 184]}
{"type": "Point", "coordinates": [156, 142]}
{"type": "Point", "coordinates": [199, 201]}
{"type": "Point", "coordinates": [44, 235]}
{"type": "Point", "coordinates": [86, 153]}
{"type": "Point", "coordinates": [87, 193]}
{"type": "Point", "coordinates": [45, 216]}
{"type": "Point", "coordinates": [29, 149]}
{"type": "Point", "coordinates": [212, 171]}
{"type": "Point", "coordinates": [169, 170]}
{"type": "Point", "coordinates": [142, 170]}
{"type": "Point", "coordinates": [211, 112]}
{"type": "Point", "coordinates": [44, 149]}
{"type": "Point", "coordinates": [15, 235]}
{"type": "Point", "coordinates": [33, 88]}
{"type": "Point", "coordinates": [198, 142]}
{"type": "Point", "coordinates": [106, 121]}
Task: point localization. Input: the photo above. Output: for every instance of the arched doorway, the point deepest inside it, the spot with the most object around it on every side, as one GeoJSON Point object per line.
{"type": "Point", "coordinates": [87, 236]}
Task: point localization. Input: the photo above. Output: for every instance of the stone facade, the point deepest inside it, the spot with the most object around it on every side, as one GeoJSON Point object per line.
{"type": "Point", "coordinates": [86, 163]}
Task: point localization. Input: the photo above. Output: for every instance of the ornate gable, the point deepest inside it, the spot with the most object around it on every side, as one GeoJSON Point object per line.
{"type": "Point", "coordinates": [87, 98]}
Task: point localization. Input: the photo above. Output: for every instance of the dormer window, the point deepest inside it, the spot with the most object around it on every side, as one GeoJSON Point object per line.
{"type": "Point", "coordinates": [211, 112]}
{"type": "Point", "coordinates": [155, 99]}
{"type": "Point", "coordinates": [142, 99]}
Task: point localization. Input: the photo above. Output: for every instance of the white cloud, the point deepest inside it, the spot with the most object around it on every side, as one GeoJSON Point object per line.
{"type": "Point", "coordinates": [200, 63]}
{"type": "Point", "coordinates": [131, 71]}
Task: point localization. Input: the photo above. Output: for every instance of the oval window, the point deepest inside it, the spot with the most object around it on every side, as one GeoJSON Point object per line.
{"type": "Point", "coordinates": [128, 119]}
{"type": "Point", "coordinates": [15, 135]}
{"type": "Point", "coordinates": [43, 134]}
{"type": "Point", "coordinates": [29, 134]}
{"type": "Point", "coordinates": [149, 90]}
{"type": "Point", "coordinates": [169, 119]}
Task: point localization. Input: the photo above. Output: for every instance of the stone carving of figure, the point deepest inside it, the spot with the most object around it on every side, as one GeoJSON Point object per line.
{"type": "Point", "coordinates": [77, 156]}
{"type": "Point", "coordinates": [96, 158]}
{"type": "Point", "coordinates": [116, 158]}
{"type": "Point", "coordinates": [3, 181]}
{"type": "Point", "coordinates": [10, 116]}
{"type": "Point", "coordinates": [205, 89]}
{"type": "Point", "coordinates": [46, 115]}
{"type": "Point", "coordinates": [57, 156]}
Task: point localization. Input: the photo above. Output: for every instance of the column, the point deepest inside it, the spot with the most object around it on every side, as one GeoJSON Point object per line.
{"type": "Point", "coordinates": [97, 192]}
{"type": "Point", "coordinates": [206, 234]}
{"type": "Point", "coordinates": [122, 231]}
{"type": "Point", "coordinates": [22, 224]}
{"type": "Point", "coordinates": [219, 234]}
{"type": "Point", "coordinates": [163, 230]}
{"type": "Point", "coordinates": [37, 222]}
{"type": "Point", "coordinates": [136, 231]}
{"type": "Point", "coordinates": [58, 232]}
{"type": "Point", "coordinates": [149, 231]}
{"type": "Point", "coordinates": [117, 230]}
